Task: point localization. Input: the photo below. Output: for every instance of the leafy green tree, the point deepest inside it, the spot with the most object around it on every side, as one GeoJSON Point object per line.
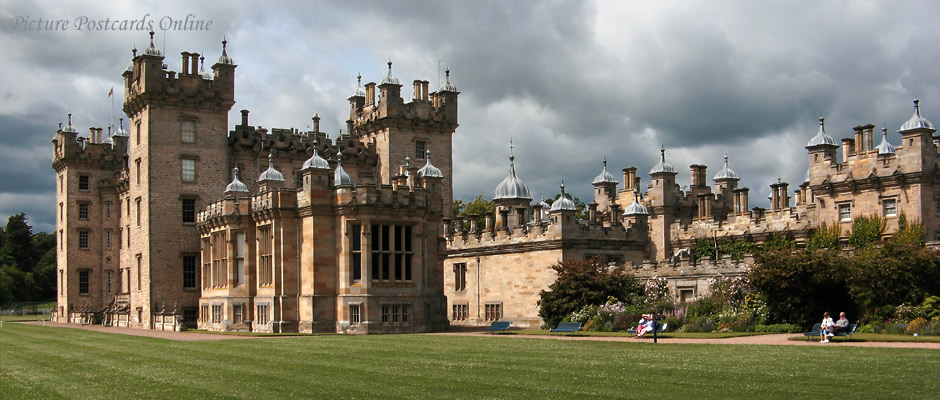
{"type": "Point", "coordinates": [910, 232]}
{"type": "Point", "coordinates": [479, 206]}
{"type": "Point", "coordinates": [18, 246]}
{"type": "Point", "coordinates": [799, 287]}
{"type": "Point", "coordinates": [824, 237]}
{"type": "Point", "coordinates": [27, 262]}
{"type": "Point", "coordinates": [583, 283]}
{"type": "Point", "coordinates": [884, 277]}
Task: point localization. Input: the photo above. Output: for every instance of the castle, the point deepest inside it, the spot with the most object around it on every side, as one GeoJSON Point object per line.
{"type": "Point", "coordinates": [166, 226]}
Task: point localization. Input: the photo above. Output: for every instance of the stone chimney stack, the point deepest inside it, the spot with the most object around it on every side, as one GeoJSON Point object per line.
{"type": "Point", "coordinates": [185, 66]}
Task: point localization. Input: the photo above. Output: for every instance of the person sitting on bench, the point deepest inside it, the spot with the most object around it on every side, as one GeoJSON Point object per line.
{"type": "Point", "coordinates": [825, 328]}
{"type": "Point", "coordinates": [841, 325]}
{"type": "Point", "coordinates": [647, 328]}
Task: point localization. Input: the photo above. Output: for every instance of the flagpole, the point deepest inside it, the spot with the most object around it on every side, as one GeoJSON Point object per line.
{"type": "Point", "coordinates": [111, 127]}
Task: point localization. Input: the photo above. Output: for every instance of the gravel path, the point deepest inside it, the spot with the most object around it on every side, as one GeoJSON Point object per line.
{"type": "Point", "coordinates": [779, 339]}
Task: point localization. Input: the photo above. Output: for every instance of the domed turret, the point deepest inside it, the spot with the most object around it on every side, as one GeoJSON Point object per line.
{"type": "Point", "coordinates": [152, 50]}
{"type": "Point", "coordinates": [512, 187]}
{"type": "Point", "coordinates": [726, 173]}
{"type": "Point", "coordinates": [202, 69]}
{"type": "Point", "coordinates": [447, 86]}
{"type": "Point", "coordinates": [390, 79]}
{"type": "Point", "coordinates": [121, 131]}
{"type": "Point", "coordinates": [636, 208]}
{"type": "Point", "coordinates": [315, 161]}
{"type": "Point", "coordinates": [340, 177]}
{"type": "Point", "coordinates": [604, 176]}
{"type": "Point", "coordinates": [236, 186]}
{"type": "Point", "coordinates": [916, 121]}
{"type": "Point", "coordinates": [884, 147]}
{"type": "Point", "coordinates": [69, 128]}
{"type": "Point", "coordinates": [429, 170]}
{"type": "Point", "coordinates": [821, 138]}
{"type": "Point", "coordinates": [224, 58]}
{"type": "Point", "coordinates": [360, 92]}
{"type": "Point", "coordinates": [663, 166]}
{"type": "Point", "coordinates": [563, 202]}
{"type": "Point", "coordinates": [271, 174]}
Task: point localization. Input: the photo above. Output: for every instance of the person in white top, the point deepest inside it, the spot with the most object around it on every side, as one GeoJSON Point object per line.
{"type": "Point", "coordinates": [825, 328]}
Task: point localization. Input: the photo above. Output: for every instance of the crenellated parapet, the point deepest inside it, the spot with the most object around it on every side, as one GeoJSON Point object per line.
{"type": "Point", "coordinates": [226, 211]}
{"type": "Point", "coordinates": [92, 152]}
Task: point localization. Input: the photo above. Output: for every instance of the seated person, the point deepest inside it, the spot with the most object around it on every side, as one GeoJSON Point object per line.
{"type": "Point", "coordinates": [825, 328]}
{"type": "Point", "coordinates": [642, 324]}
{"type": "Point", "coordinates": [841, 325]}
{"type": "Point", "coordinates": [650, 325]}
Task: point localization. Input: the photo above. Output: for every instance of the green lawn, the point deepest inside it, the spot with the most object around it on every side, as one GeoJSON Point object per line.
{"type": "Point", "coordinates": [877, 337]}
{"type": "Point", "coordinates": [27, 317]}
{"type": "Point", "coordinates": [677, 335]}
{"type": "Point", "coordinates": [47, 362]}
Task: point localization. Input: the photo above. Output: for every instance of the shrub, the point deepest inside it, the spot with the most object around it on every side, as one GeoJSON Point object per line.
{"type": "Point", "coordinates": [674, 323]}
{"type": "Point", "coordinates": [916, 326]}
{"type": "Point", "coordinates": [895, 329]}
{"type": "Point", "coordinates": [930, 308]}
{"type": "Point", "coordinates": [866, 231]}
{"type": "Point", "coordinates": [778, 328]}
{"type": "Point", "coordinates": [582, 283]}
{"type": "Point", "coordinates": [625, 322]}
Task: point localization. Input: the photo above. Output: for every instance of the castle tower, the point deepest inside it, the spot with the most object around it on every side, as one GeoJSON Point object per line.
{"type": "Point", "coordinates": [398, 129]}
{"type": "Point", "coordinates": [663, 196]}
{"type": "Point", "coordinates": [605, 189]}
{"type": "Point", "coordinates": [918, 152]}
{"type": "Point", "coordinates": [512, 197]}
{"type": "Point", "coordinates": [87, 215]}
{"type": "Point", "coordinates": [822, 152]}
{"type": "Point", "coordinates": [177, 163]}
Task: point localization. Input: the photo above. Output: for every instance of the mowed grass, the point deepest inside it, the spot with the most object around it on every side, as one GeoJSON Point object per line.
{"type": "Point", "coordinates": [49, 362]}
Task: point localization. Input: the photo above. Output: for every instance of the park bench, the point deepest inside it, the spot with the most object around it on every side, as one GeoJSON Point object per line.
{"type": "Point", "coordinates": [567, 327]}
{"type": "Point", "coordinates": [498, 326]}
{"type": "Point", "coordinates": [660, 328]}
{"type": "Point", "coordinates": [849, 330]}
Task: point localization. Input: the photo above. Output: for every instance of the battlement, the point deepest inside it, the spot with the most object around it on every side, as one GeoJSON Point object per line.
{"type": "Point", "coordinates": [223, 212]}
{"type": "Point", "coordinates": [682, 266]}
{"type": "Point", "coordinates": [435, 111]}
{"type": "Point", "coordinates": [94, 151]}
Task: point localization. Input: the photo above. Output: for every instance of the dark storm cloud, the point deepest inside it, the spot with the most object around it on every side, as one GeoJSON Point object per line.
{"type": "Point", "coordinates": [568, 81]}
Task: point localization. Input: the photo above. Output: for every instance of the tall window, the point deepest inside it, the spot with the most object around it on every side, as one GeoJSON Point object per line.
{"type": "Point", "coordinates": [61, 183]}
{"type": "Point", "coordinates": [189, 170]}
{"type": "Point", "coordinates": [420, 149]}
{"type": "Point", "coordinates": [460, 276]}
{"type": "Point", "coordinates": [392, 252]}
{"type": "Point", "coordinates": [239, 258]}
{"type": "Point", "coordinates": [206, 263]}
{"type": "Point", "coordinates": [139, 274]}
{"type": "Point", "coordinates": [216, 313]}
{"type": "Point", "coordinates": [354, 317]}
{"type": "Point", "coordinates": [356, 252]}
{"type": "Point", "coordinates": [266, 268]}
{"type": "Point", "coordinates": [83, 282]}
{"type": "Point", "coordinates": [189, 211]}
{"type": "Point", "coordinates": [61, 282]}
{"type": "Point", "coordinates": [189, 272]}
{"type": "Point", "coordinates": [263, 315]}
{"type": "Point", "coordinates": [82, 210]}
{"type": "Point", "coordinates": [83, 182]}
{"type": "Point", "coordinates": [83, 239]}
{"type": "Point", "coordinates": [845, 212]}
{"type": "Point", "coordinates": [219, 261]}
{"type": "Point", "coordinates": [138, 210]}
{"type": "Point", "coordinates": [109, 281]}
{"type": "Point", "coordinates": [237, 314]}
{"type": "Point", "coordinates": [107, 239]}
{"type": "Point", "coordinates": [61, 211]}
{"type": "Point", "coordinates": [188, 129]}
{"type": "Point", "coordinates": [493, 312]}
{"type": "Point", "coordinates": [107, 210]}
{"type": "Point", "coordinates": [137, 175]}
{"type": "Point", "coordinates": [137, 131]}
{"type": "Point", "coordinates": [890, 207]}
{"type": "Point", "coordinates": [204, 312]}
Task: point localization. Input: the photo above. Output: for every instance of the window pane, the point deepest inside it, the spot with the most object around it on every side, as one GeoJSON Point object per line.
{"type": "Point", "coordinates": [356, 233]}
{"type": "Point", "coordinates": [188, 131]}
{"type": "Point", "coordinates": [189, 170]}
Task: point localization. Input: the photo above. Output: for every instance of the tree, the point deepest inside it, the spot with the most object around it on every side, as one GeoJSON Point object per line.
{"type": "Point", "coordinates": [18, 246]}
{"type": "Point", "coordinates": [893, 274]}
{"type": "Point", "coordinates": [582, 283]}
{"type": "Point", "coordinates": [799, 287]}
{"type": "Point", "coordinates": [479, 206]}
{"type": "Point", "coordinates": [866, 231]}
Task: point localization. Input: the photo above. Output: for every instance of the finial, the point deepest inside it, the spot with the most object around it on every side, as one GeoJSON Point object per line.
{"type": "Point", "coordinates": [662, 152]}
{"type": "Point", "coordinates": [822, 121]}
{"type": "Point", "coordinates": [271, 159]}
{"type": "Point", "coordinates": [884, 129]}
{"type": "Point", "coordinates": [236, 172]}
{"type": "Point", "coordinates": [427, 155]}
{"type": "Point", "coordinates": [316, 116]}
{"type": "Point", "coordinates": [134, 50]}
{"type": "Point", "coordinates": [202, 60]}
{"type": "Point", "coordinates": [726, 159]}
{"type": "Point", "coordinates": [316, 143]}
{"type": "Point", "coordinates": [562, 188]}
{"type": "Point", "coordinates": [60, 125]}
{"type": "Point", "coordinates": [511, 155]}
{"type": "Point", "coordinates": [389, 64]}
{"type": "Point", "coordinates": [447, 74]}
{"type": "Point", "coordinates": [917, 106]}
{"type": "Point", "coordinates": [605, 161]}
{"type": "Point", "coordinates": [407, 162]}
{"type": "Point", "coordinates": [70, 118]}
{"type": "Point", "coordinates": [151, 38]}
{"type": "Point", "coordinates": [121, 123]}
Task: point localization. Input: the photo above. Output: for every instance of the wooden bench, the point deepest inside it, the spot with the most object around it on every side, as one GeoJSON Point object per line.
{"type": "Point", "coordinates": [498, 326]}
{"type": "Point", "coordinates": [567, 327]}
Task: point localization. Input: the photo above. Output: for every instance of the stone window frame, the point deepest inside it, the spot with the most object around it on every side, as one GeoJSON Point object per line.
{"type": "Point", "coordinates": [355, 252]}
{"type": "Point", "coordinates": [84, 182]}
{"type": "Point", "coordinates": [84, 239]}
{"type": "Point", "coordinates": [885, 201]}
{"type": "Point", "coordinates": [83, 210]}
{"type": "Point", "coordinates": [217, 313]}
{"type": "Point", "coordinates": [689, 288]}
{"type": "Point", "coordinates": [137, 163]}
{"type": "Point", "coordinates": [109, 281]}
{"type": "Point", "coordinates": [460, 277]}
{"type": "Point", "coordinates": [238, 313]}
{"type": "Point", "coordinates": [387, 247]}
{"type": "Point", "coordinates": [184, 158]}
{"type": "Point", "coordinates": [847, 205]}
{"type": "Point", "coordinates": [107, 210]}
{"type": "Point", "coordinates": [239, 256]}
{"type": "Point", "coordinates": [183, 209]}
{"type": "Point", "coordinates": [493, 311]}
{"type": "Point", "coordinates": [194, 274]}
{"type": "Point", "coordinates": [396, 313]}
{"type": "Point", "coordinates": [86, 273]}
{"type": "Point", "coordinates": [421, 146]}
{"type": "Point", "coordinates": [264, 314]}
{"type": "Point", "coordinates": [107, 238]}
{"type": "Point", "coordinates": [193, 137]}
{"type": "Point", "coordinates": [460, 312]}
{"type": "Point", "coordinates": [355, 313]}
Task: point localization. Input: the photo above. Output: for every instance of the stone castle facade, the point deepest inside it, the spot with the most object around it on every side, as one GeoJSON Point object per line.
{"type": "Point", "coordinates": [165, 226]}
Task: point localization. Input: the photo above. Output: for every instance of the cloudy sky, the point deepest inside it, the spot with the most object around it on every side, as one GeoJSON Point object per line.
{"type": "Point", "coordinates": [569, 81]}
